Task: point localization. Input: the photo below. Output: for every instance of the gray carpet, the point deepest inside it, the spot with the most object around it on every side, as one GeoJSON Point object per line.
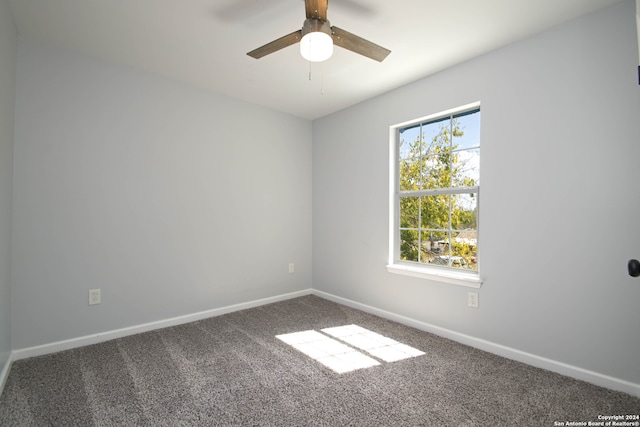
{"type": "Point", "coordinates": [232, 370]}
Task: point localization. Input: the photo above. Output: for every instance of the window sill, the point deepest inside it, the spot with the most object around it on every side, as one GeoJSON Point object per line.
{"type": "Point", "coordinates": [470, 280]}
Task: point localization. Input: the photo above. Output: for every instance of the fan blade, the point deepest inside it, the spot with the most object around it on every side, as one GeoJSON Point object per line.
{"type": "Point", "coordinates": [276, 45]}
{"type": "Point", "coordinates": [316, 9]}
{"type": "Point", "coordinates": [356, 44]}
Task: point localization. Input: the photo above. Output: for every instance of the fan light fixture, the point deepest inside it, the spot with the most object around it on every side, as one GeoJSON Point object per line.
{"type": "Point", "coordinates": [316, 44]}
{"type": "Point", "coordinates": [316, 47]}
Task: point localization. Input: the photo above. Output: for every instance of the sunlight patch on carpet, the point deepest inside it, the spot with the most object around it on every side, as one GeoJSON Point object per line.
{"type": "Point", "coordinates": [333, 354]}
{"type": "Point", "coordinates": [373, 343]}
{"type": "Point", "coordinates": [341, 357]}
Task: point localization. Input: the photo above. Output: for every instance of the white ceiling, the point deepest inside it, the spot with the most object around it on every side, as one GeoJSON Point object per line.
{"type": "Point", "coordinates": [204, 42]}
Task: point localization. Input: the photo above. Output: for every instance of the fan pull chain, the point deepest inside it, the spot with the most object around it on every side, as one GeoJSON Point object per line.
{"type": "Point", "coordinates": [321, 78]}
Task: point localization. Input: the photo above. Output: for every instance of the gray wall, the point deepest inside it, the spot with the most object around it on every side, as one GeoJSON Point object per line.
{"type": "Point", "coordinates": [170, 199]}
{"type": "Point", "coordinates": [560, 196]}
{"type": "Point", "coordinates": [7, 97]}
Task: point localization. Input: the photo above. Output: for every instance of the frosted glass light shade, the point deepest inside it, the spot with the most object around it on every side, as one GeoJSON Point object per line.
{"type": "Point", "coordinates": [316, 46]}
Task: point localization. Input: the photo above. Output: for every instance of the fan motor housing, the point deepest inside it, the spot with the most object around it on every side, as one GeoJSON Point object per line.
{"type": "Point", "coordinates": [312, 25]}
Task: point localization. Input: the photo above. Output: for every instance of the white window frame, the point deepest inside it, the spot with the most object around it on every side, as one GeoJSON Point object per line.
{"type": "Point", "coordinates": [423, 271]}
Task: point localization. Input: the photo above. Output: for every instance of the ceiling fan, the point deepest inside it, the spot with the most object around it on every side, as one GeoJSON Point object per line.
{"type": "Point", "coordinates": [317, 38]}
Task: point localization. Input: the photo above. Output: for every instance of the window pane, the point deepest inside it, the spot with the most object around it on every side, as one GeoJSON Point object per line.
{"type": "Point", "coordinates": [466, 168]}
{"type": "Point", "coordinates": [409, 209]}
{"type": "Point", "coordinates": [435, 212]}
{"type": "Point", "coordinates": [466, 131]}
{"type": "Point", "coordinates": [437, 243]}
{"type": "Point", "coordinates": [433, 244]}
{"type": "Point", "coordinates": [410, 142]}
{"type": "Point", "coordinates": [436, 136]}
{"type": "Point", "coordinates": [409, 245]}
{"type": "Point", "coordinates": [410, 175]}
{"type": "Point", "coordinates": [464, 211]}
{"type": "Point", "coordinates": [464, 250]}
{"type": "Point", "coordinates": [436, 171]}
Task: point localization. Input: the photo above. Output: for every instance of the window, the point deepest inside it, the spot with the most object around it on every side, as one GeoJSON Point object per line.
{"type": "Point", "coordinates": [435, 189]}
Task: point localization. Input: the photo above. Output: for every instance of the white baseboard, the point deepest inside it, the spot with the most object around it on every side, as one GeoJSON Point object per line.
{"type": "Point", "coordinates": [498, 349]}
{"type": "Point", "coordinates": [4, 374]}
{"type": "Point", "coordinates": [132, 330]}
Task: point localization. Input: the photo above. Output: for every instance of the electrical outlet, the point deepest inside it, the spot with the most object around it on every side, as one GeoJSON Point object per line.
{"type": "Point", "coordinates": [94, 296]}
{"type": "Point", "coordinates": [292, 268]}
{"type": "Point", "coordinates": [472, 299]}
